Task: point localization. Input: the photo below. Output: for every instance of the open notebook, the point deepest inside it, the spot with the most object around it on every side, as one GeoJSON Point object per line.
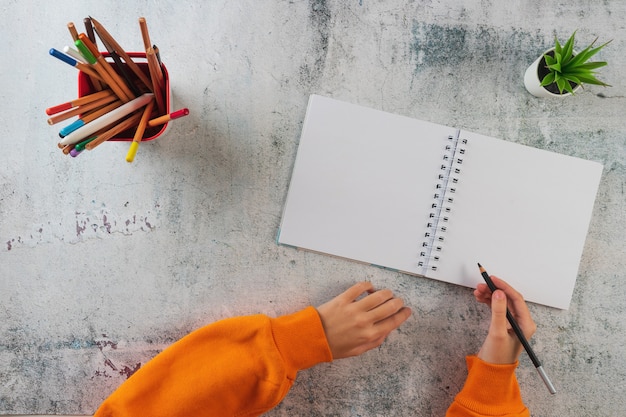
{"type": "Point", "coordinates": [432, 200]}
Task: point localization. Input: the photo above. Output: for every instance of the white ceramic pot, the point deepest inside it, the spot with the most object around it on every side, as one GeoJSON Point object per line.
{"type": "Point", "coordinates": [532, 82]}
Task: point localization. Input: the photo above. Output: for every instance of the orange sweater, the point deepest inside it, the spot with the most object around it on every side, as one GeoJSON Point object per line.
{"type": "Point", "coordinates": [244, 366]}
{"type": "Point", "coordinates": [489, 390]}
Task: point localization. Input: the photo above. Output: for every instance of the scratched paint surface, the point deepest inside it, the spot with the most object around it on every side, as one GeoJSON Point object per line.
{"type": "Point", "coordinates": [103, 264]}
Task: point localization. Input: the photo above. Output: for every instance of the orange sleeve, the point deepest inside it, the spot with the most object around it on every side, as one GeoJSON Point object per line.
{"type": "Point", "coordinates": [242, 366]}
{"type": "Point", "coordinates": [490, 390]}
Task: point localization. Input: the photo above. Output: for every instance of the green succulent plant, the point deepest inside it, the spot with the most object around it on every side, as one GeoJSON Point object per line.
{"type": "Point", "coordinates": [566, 67]}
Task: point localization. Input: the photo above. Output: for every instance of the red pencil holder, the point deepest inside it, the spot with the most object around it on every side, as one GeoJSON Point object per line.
{"type": "Point", "coordinates": [85, 87]}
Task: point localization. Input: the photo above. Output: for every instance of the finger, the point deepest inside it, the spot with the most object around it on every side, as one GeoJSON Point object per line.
{"type": "Point", "coordinates": [386, 309]}
{"type": "Point", "coordinates": [518, 307]}
{"type": "Point", "coordinates": [482, 293]}
{"type": "Point", "coordinates": [483, 288]}
{"type": "Point", "coordinates": [389, 324]}
{"type": "Point", "coordinates": [516, 301]}
{"type": "Point", "coordinates": [510, 292]}
{"type": "Point", "coordinates": [356, 290]}
{"type": "Point", "coordinates": [499, 322]}
{"type": "Point", "coordinates": [375, 299]}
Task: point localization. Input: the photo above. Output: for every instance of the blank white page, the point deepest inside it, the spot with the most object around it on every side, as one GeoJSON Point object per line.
{"type": "Point", "coordinates": [523, 213]}
{"type": "Point", "coordinates": [362, 184]}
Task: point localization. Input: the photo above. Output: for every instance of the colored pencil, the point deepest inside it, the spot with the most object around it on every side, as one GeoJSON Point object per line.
{"type": "Point", "coordinates": [167, 117]}
{"type": "Point", "coordinates": [141, 128]}
{"type": "Point", "coordinates": [73, 31]}
{"type": "Point", "coordinates": [80, 109]}
{"type": "Point", "coordinates": [84, 50]}
{"type": "Point", "coordinates": [92, 38]}
{"type": "Point", "coordinates": [74, 54]}
{"type": "Point", "coordinates": [107, 67]}
{"type": "Point", "coordinates": [88, 117]}
{"type": "Point", "coordinates": [80, 146]}
{"type": "Point", "coordinates": [116, 78]}
{"type": "Point", "coordinates": [116, 101]}
{"type": "Point", "coordinates": [89, 31]}
{"type": "Point", "coordinates": [105, 120]}
{"type": "Point", "coordinates": [157, 79]}
{"type": "Point", "coordinates": [158, 55]}
{"type": "Point", "coordinates": [121, 68]}
{"type": "Point", "coordinates": [104, 35]}
{"type": "Point", "coordinates": [143, 26]}
{"type": "Point", "coordinates": [78, 102]}
{"type": "Point", "coordinates": [74, 63]}
{"type": "Point", "coordinates": [118, 128]}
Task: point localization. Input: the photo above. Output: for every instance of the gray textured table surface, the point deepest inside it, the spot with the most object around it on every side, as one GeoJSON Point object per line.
{"type": "Point", "coordinates": [104, 263]}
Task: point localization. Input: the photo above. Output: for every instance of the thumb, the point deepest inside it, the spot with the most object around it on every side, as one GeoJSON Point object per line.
{"type": "Point", "coordinates": [498, 312]}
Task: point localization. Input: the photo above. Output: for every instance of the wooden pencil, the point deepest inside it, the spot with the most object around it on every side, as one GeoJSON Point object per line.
{"type": "Point", "coordinates": [73, 31]}
{"type": "Point", "coordinates": [96, 81]}
{"type": "Point", "coordinates": [157, 79]}
{"type": "Point", "coordinates": [116, 77]}
{"type": "Point", "coordinates": [143, 26]}
{"type": "Point", "coordinates": [80, 146]}
{"type": "Point", "coordinates": [93, 75]}
{"type": "Point", "coordinates": [114, 130]}
{"type": "Point", "coordinates": [78, 102]}
{"type": "Point", "coordinates": [80, 109]}
{"type": "Point", "coordinates": [104, 35]}
{"type": "Point", "coordinates": [127, 94]}
{"type": "Point", "coordinates": [141, 128]}
{"type": "Point", "coordinates": [167, 117]}
{"type": "Point", "coordinates": [122, 69]}
{"type": "Point", "coordinates": [111, 82]}
{"type": "Point", "coordinates": [95, 113]}
{"type": "Point", "coordinates": [89, 31]}
{"type": "Point", "coordinates": [100, 69]}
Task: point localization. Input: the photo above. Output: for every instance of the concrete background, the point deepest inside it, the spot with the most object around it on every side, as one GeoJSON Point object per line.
{"type": "Point", "coordinates": [104, 263]}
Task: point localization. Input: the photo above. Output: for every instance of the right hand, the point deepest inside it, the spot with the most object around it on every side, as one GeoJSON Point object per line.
{"type": "Point", "coordinates": [501, 346]}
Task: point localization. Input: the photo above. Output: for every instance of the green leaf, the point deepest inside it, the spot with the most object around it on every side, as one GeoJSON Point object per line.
{"type": "Point", "coordinates": [568, 49]}
{"type": "Point", "coordinates": [557, 45]}
{"type": "Point", "coordinates": [573, 79]}
{"type": "Point", "coordinates": [548, 79]}
{"type": "Point", "coordinates": [587, 53]}
{"type": "Point", "coordinates": [556, 67]}
{"type": "Point", "coordinates": [568, 88]}
{"type": "Point", "coordinates": [550, 60]}
{"type": "Point", "coordinates": [592, 65]}
{"type": "Point", "coordinates": [589, 79]}
{"type": "Point", "coordinates": [566, 67]}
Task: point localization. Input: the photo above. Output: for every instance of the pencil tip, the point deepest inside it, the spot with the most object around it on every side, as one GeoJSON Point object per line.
{"type": "Point", "coordinates": [479, 265]}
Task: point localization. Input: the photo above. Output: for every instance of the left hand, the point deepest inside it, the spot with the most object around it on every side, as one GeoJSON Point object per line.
{"type": "Point", "coordinates": [355, 326]}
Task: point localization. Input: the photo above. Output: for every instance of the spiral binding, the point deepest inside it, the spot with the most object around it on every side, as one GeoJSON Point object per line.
{"type": "Point", "coordinates": [443, 199]}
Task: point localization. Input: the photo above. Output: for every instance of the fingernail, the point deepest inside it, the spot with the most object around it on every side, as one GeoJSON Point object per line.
{"type": "Point", "coordinates": [499, 295]}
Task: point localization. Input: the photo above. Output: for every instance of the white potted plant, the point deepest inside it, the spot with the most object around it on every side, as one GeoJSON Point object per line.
{"type": "Point", "coordinates": [560, 71]}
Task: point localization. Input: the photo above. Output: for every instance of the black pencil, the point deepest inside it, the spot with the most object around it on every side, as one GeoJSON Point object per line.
{"type": "Point", "coordinates": [520, 335]}
{"type": "Point", "coordinates": [119, 65]}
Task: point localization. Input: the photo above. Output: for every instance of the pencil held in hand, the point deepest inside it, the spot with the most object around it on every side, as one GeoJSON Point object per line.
{"type": "Point", "coordinates": [520, 335]}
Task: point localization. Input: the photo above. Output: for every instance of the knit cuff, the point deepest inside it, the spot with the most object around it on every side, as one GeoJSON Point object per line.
{"type": "Point", "coordinates": [301, 340]}
{"type": "Point", "coordinates": [491, 389]}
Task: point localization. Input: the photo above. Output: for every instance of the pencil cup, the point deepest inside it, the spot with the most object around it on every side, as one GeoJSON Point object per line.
{"type": "Point", "coordinates": [85, 87]}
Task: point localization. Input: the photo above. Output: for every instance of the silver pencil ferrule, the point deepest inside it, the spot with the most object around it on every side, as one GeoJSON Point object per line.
{"type": "Point", "coordinates": [546, 380]}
